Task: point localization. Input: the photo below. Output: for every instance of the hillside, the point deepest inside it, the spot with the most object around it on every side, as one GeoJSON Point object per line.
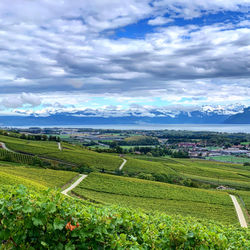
{"type": "Point", "coordinates": [12, 174]}
{"type": "Point", "coordinates": [49, 220]}
{"type": "Point", "coordinates": [155, 196]}
{"type": "Point", "coordinates": [73, 156]}
{"type": "Point", "coordinates": [241, 118]}
{"type": "Point", "coordinates": [175, 206]}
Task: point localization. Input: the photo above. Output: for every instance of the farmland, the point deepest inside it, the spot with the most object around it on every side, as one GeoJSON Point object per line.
{"type": "Point", "coordinates": [49, 219]}
{"type": "Point", "coordinates": [137, 166]}
{"type": "Point", "coordinates": [217, 173]}
{"type": "Point", "coordinates": [149, 195]}
{"type": "Point", "coordinates": [70, 154]}
{"type": "Point", "coordinates": [19, 174]}
{"type": "Point", "coordinates": [230, 158]}
{"type": "Point", "coordinates": [122, 208]}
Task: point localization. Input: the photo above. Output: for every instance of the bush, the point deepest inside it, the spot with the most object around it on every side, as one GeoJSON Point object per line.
{"type": "Point", "coordinates": [49, 220]}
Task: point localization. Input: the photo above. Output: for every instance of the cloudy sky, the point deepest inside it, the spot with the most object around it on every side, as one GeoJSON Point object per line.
{"type": "Point", "coordinates": [77, 54]}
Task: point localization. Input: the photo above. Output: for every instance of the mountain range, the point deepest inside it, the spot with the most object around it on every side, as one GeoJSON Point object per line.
{"type": "Point", "coordinates": [231, 114]}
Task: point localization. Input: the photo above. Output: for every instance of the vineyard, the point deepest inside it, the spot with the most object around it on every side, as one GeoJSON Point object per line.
{"type": "Point", "coordinates": [245, 199]}
{"type": "Point", "coordinates": [216, 173]}
{"type": "Point", "coordinates": [16, 157]}
{"type": "Point", "coordinates": [70, 154]}
{"type": "Point", "coordinates": [46, 219]}
{"type": "Point", "coordinates": [149, 195]}
{"type": "Point", "coordinates": [136, 166]}
{"type": "Point", "coordinates": [31, 176]}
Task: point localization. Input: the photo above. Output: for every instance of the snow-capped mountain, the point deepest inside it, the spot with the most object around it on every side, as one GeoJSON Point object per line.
{"type": "Point", "coordinates": [178, 114]}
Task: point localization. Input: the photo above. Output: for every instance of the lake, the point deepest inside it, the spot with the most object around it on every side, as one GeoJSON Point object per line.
{"type": "Point", "coordinates": [229, 128]}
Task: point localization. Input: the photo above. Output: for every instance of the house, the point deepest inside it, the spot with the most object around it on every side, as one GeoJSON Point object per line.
{"type": "Point", "coordinates": [187, 145]}
{"type": "Point", "coordinates": [224, 188]}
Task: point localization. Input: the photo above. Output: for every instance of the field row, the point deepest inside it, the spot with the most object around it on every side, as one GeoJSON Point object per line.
{"type": "Point", "coordinates": [11, 174]}
{"type": "Point", "coordinates": [71, 154]}
{"type": "Point", "coordinates": [49, 220]}
{"type": "Point", "coordinates": [216, 173]}
{"type": "Point", "coordinates": [148, 195]}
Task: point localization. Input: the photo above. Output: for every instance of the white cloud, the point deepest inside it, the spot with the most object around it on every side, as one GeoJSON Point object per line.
{"type": "Point", "coordinates": [14, 101]}
{"type": "Point", "coordinates": [63, 47]}
{"type": "Point", "coordinates": [160, 20]}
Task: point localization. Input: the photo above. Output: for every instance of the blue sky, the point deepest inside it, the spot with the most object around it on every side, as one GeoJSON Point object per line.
{"type": "Point", "coordinates": [65, 56]}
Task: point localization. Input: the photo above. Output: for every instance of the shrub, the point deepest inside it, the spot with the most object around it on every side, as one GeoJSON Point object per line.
{"type": "Point", "coordinates": [48, 220]}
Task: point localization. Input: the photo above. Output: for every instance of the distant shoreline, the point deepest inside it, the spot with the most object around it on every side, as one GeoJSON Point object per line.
{"type": "Point", "coordinates": [227, 128]}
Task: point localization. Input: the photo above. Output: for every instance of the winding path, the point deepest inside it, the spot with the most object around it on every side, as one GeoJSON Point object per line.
{"type": "Point", "coordinates": [60, 146]}
{"type": "Point", "coordinates": [122, 165]}
{"type": "Point", "coordinates": [239, 212]}
{"type": "Point", "coordinates": [76, 183]}
{"type": "Point", "coordinates": [5, 147]}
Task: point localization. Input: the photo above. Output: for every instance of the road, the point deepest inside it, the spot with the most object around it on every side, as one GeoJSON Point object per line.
{"type": "Point", "coordinates": [76, 183]}
{"type": "Point", "coordinates": [4, 147]}
{"type": "Point", "coordinates": [239, 212]}
{"type": "Point", "coordinates": [122, 165]}
{"type": "Point", "coordinates": [60, 146]}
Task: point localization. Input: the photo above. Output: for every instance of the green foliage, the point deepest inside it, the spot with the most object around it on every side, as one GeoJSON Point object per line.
{"type": "Point", "coordinates": [70, 154]}
{"type": "Point", "coordinates": [37, 176]}
{"type": "Point", "coordinates": [151, 195]}
{"type": "Point", "coordinates": [230, 158]}
{"type": "Point", "coordinates": [47, 220]}
{"type": "Point", "coordinates": [19, 158]}
{"type": "Point", "coordinates": [199, 171]}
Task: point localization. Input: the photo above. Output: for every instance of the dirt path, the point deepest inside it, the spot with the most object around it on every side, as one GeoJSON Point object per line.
{"type": "Point", "coordinates": [239, 212]}
{"type": "Point", "coordinates": [76, 183]}
{"type": "Point", "coordinates": [122, 165]}
{"type": "Point", "coordinates": [4, 147]}
{"type": "Point", "coordinates": [60, 146]}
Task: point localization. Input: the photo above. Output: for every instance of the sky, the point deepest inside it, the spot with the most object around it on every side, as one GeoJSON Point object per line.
{"type": "Point", "coordinates": [70, 55]}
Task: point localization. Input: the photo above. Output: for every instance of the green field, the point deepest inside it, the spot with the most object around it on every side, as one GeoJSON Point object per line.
{"type": "Point", "coordinates": [217, 173]}
{"type": "Point", "coordinates": [149, 195]}
{"type": "Point", "coordinates": [229, 158]}
{"type": "Point", "coordinates": [70, 154]}
{"type": "Point", "coordinates": [133, 192]}
{"type": "Point", "coordinates": [128, 147]}
{"type": "Point", "coordinates": [245, 196]}
{"type": "Point", "coordinates": [11, 173]}
{"type": "Point", "coordinates": [245, 143]}
{"type": "Point", "coordinates": [47, 220]}
{"type": "Point", "coordinates": [136, 166]}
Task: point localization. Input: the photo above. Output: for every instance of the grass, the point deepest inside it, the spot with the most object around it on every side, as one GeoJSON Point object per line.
{"type": "Point", "coordinates": [49, 220]}
{"type": "Point", "coordinates": [229, 158]}
{"type": "Point", "coordinates": [217, 173]}
{"type": "Point", "coordinates": [71, 154]}
{"type": "Point", "coordinates": [146, 146]}
{"type": "Point", "coordinates": [245, 143]}
{"type": "Point", "coordinates": [136, 166]}
{"type": "Point", "coordinates": [19, 174]}
{"type": "Point", "coordinates": [149, 195]}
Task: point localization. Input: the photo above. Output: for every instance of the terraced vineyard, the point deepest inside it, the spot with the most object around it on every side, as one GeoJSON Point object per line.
{"type": "Point", "coordinates": [136, 166]}
{"type": "Point", "coordinates": [16, 157]}
{"type": "Point", "coordinates": [217, 173]}
{"type": "Point", "coordinates": [49, 220]}
{"type": "Point", "coordinates": [163, 197]}
{"type": "Point", "coordinates": [70, 154]}
{"type": "Point", "coordinates": [229, 158]}
{"type": "Point", "coordinates": [32, 176]}
{"type": "Point", "coordinates": [244, 198]}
